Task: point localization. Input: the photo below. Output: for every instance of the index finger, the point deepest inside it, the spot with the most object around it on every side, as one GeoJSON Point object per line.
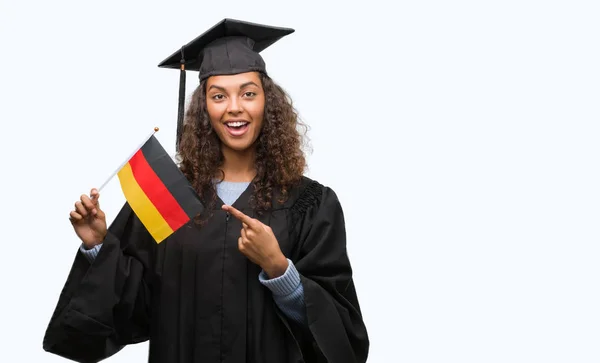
{"type": "Point", "coordinates": [239, 215]}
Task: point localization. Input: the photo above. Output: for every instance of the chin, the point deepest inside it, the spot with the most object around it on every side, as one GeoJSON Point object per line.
{"type": "Point", "coordinates": [238, 145]}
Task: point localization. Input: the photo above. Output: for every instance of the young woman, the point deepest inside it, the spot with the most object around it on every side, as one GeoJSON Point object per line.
{"type": "Point", "coordinates": [261, 275]}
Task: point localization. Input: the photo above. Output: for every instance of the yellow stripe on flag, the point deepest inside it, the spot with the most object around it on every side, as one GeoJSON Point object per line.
{"type": "Point", "coordinates": [142, 206]}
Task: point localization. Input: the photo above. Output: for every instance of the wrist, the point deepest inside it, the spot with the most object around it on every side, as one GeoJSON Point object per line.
{"type": "Point", "coordinates": [277, 267]}
{"type": "Point", "coordinates": [95, 242]}
{"type": "Point", "coordinates": [89, 246]}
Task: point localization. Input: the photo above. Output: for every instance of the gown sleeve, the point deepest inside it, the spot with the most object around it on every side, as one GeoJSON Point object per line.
{"type": "Point", "coordinates": [104, 305]}
{"type": "Point", "coordinates": [336, 330]}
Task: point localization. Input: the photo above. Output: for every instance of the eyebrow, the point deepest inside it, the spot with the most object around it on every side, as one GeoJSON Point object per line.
{"type": "Point", "coordinates": [241, 86]}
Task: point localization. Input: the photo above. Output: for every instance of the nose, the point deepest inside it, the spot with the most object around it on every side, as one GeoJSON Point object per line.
{"type": "Point", "coordinates": [235, 106]}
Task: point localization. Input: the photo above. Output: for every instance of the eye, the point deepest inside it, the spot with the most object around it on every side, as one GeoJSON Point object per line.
{"type": "Point", "coordinates": [249, 94]}
{"type": "Point", "coordinates": [217, 97]}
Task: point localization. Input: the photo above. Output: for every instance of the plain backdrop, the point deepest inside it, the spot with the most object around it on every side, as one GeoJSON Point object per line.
{"type": "Point", "coordinates": [462, 138]}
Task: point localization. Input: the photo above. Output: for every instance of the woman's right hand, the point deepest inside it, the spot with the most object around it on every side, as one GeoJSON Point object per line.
{"type": "Point", "coordinates": [88, 220]}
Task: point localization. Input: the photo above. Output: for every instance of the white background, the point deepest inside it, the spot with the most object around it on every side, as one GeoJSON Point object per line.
{"type": "Point", "coordinates": [461, 137]}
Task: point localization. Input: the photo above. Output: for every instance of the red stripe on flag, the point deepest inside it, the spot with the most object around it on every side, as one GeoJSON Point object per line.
{"type": "Point", "coordinates": [157, 192]}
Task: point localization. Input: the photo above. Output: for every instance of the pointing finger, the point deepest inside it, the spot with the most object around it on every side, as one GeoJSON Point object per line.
{"type": "Point", "coordinates": [237, 214]}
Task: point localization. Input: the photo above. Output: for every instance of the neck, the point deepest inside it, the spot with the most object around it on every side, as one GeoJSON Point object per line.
{"type": "Point", "coordinates": [238, 166]}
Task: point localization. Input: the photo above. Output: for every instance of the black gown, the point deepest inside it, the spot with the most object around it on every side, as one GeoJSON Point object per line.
{"type": "Point", "coordinates": [197, 299]}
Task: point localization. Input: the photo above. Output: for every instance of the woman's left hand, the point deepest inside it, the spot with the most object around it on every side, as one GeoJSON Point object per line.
{"type": "Point", "coordinates": [258, 243]}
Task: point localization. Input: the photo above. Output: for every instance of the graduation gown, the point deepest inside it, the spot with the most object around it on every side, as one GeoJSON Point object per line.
{"type": "Point", "coordinates": [197, 299]}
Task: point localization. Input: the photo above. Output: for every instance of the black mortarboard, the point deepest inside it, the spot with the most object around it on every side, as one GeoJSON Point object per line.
{"type": "Point", "coordinates": [229, 47]}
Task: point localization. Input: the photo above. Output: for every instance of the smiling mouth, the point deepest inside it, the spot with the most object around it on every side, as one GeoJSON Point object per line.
{"type": "Point", "coordinates": [236, 128]}
{"type": "Point", "coordinates": [236, 124]}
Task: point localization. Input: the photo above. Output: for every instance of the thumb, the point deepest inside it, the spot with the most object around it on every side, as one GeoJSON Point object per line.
{"type": "Point", "coordinates": [95, 196]}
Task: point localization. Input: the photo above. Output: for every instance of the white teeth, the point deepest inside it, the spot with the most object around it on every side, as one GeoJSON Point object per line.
{"type": "Point", "coordinates": [236, 124]}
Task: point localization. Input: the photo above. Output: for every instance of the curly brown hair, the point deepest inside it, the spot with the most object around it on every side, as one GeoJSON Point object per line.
{"type": "Point", "coordinates": [280, 160]}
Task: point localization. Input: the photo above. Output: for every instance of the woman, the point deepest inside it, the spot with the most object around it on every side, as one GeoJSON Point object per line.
{"type": "Point", "coordinates": [261, 275]}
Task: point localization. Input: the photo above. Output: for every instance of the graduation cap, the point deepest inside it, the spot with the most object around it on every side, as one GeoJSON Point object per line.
{"type": "Point", "coordinates": [229, 47]}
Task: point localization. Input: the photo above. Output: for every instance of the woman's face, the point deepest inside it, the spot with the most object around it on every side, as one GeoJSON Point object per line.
{"type": "Point", "coordinates": [235, 105]}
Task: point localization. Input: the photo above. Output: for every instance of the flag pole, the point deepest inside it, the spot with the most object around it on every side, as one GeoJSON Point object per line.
{"type": "Point", "coordinates": [127, 160]}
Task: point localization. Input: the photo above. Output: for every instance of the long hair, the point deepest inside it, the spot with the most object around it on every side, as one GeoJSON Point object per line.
{"type": "Point", "coordinates": [280, 160]}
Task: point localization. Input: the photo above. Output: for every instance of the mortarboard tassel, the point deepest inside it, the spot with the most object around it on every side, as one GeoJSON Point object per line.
{"type": "Point", "coordinates": [181, 107]}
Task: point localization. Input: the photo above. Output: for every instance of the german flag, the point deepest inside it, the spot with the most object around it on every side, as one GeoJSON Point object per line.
{"type": "Point", "coordinates": [157, 191]}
